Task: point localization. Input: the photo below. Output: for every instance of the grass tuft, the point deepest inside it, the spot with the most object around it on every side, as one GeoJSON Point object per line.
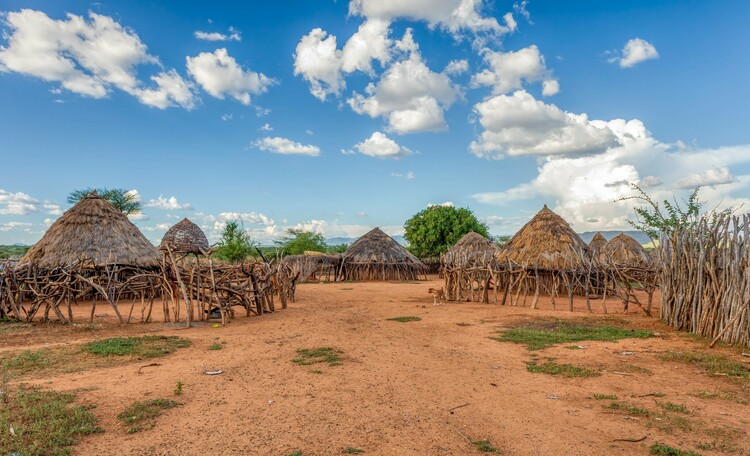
{"type": "Point", "coordinates": [672, 407]}
{"type": "Point", "coordinates": [537, 336]}
{"type": "Point", "coordinates": [405, 319]}
{"type": "Point", "coordinates": [713, 364]}
{"type": "Point", "coordinates": [140, 412]}
{"type": "Point", "coordinates": [353, 450]}
{"type": "Point", "coordinates": [143, 347]}
{"type": "Point", "coordinates": [309, 356]}
{"type": "Point", "coordinates": [666, 450]}
{"type": "Point", "coordinates": [628, 409]}
{"type": "Point", "coordinates": [605, 396]}
{"type": "Point", "coordinates": [565, 370]}
{"type": "Point", "coordinates": [484, 446]}
{"type": "Point", "coordinates": [44, 422]}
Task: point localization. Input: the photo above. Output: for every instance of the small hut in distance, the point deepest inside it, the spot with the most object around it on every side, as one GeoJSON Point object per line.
{"type": "Point", "coordinates": [185, 237]}
{"type": "Point", "coordinates": [467, 268]}
{"type": "Point", "coordinates": [597, 244]}
{"type": "Point", "coordinates": [377, 256]}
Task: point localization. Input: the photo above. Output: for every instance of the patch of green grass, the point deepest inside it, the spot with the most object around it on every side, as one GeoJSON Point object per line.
{"type": "Point", "coordinates": [605, 396]}
{"type": "Point", "coordinates": [672, 407]}
{"type": "Point", "coordinates": [565, 370]}
{"type": "Point", "coordinates": [537, 336]}
{"type": "Point", "coordinates": [713, 364]}
{"type": "Point", "coordinates": [631, 369]}
{"type": "Point", "coordinates": [142, 347]}
{"type": "Point", "coordinates": [628, 409]}
{"type": "Point", "coordinates": [724, 396]}
{"type": "Point", "coordinates": [352, 450]}
{"type": "Point", "coordinates": [215, 346]}
{"type": "Point", "coordinates": [138, 413]}
{"type": "Point", "coordinates": [308, 356]}
{"type": "Point", "coordinates": [44, 422]}
{"type": "Point", "coordinates": [296, 453]}
{"type": "Point", "coordinates": [178, 388]}
{"type": "Point", "coordinates": [574, 347]}
{"type": "Point", "coordinates": [667, 423]}
{"type": "Point", "coordinates": [405, 319]}
{"type": "Point", "coordinates": [11, 326]}
{"type": "Point", "coordinates": [484, 446]}
{"type": "Point", "coordinates": [666, 450]}
{"type": "Point", "coordinates": [26, 361]}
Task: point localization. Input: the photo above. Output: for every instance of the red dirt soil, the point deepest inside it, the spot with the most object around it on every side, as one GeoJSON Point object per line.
{"type": "Point", "coordinates": [393, 393]}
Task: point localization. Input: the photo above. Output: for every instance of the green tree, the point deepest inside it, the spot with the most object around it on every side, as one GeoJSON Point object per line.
{"type": "Point", "coordinates": [235, 244]}
{"type": "Point", "coordinates": [124, 200]}
{"type": "Point", "coordinates": [341, 248]}
{"type": "Point", "coordinates": [655, 219]}
{"type": "Point", "coordinates": [435, 229]}
{"type": "Point", "coordinates": [296, 242]}
{"type": "Point", "coordinates": [501, 241]}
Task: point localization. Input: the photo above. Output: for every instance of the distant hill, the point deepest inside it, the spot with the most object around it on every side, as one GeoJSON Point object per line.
{"type": "Point", "coordinates": [639, 236]}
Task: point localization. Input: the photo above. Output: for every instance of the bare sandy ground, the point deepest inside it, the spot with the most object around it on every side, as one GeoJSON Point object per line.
{"type": "Point", "coordinates": [394, 392]}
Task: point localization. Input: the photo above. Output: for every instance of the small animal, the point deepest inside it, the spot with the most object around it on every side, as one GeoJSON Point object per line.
{"type": "Point", "coordinates": [438, 294]}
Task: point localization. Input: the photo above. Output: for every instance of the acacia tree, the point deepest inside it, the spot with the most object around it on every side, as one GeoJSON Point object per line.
{"type": "Point", "coordinates": [297, 241]}
{"type": "Point", "coordinates": [434, 230]}
{"type": "Point", "coordinates": [124, 200]}
{"type": "Point", "coordinates": [235, 245]}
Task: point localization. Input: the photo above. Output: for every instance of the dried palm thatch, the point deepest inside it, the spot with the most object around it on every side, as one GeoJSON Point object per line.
{"type": "Point", "coordinates": [311, 267]}
{"type": "Point", "coordinates": [468, 268]}
{"type": "Point", "coordinates": [596, 245]}
{"type": "Point", "coordinates": [623, 250]}
{"type": "Point", "coordinates": [185, 237]}
{"type": "Point", "coordinates": [376, 256]}
{"type": "Point", "coordinates": [96, 232]}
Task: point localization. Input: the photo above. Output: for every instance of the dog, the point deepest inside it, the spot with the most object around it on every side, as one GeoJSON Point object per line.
{"type": "Point", "coordinates": [438, 294]}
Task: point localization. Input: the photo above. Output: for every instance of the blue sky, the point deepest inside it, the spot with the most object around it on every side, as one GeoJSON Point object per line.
{"type": "Point", "coordinates": [248, 110]}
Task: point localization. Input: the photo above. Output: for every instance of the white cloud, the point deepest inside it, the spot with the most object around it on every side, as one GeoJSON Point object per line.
{"type": "Point", "coordinates": [138, 217]}
{"type": "Point", "coordinates": [233, 35]}
{"type": "Point", "coordinates": [18, 203]}
{"type": "Point", "coordinates": [52, 209]}
{"type": "Point", "coordinates": [456, 67]}
{"type": "Point", "coordinates": [88, 58]}
{"type": "Point", "coordinates": [168, 204]}
{"type": "Point", "coordinates": [220, 75]}
{"type": "Point", "coordinates": [134, 194]}
{"type": "Point", "coordinates": [266, 127]}
{"type": "Point", "coordinates": [278, 145]}
{"type": "Point", "coordinates": [508, 71]}
{"type": "Point", "coordinates": [713, 176]}
{"type": "Point", "coordinates": [409, 95]}
{"type": "Point", "coordinates": [650, 181]}
{"type": "Point", "coordinates": [379, 145]}
{"type": "Point", "coordinates": [318, 61]}
{"type": "Point", "coordinates": [518, 124]}
{"type": "Point", "coordinates": [10, 226]}
{"type": "Point", "coordinates": [520, 8]}
{"type": "Point", "coordinates": [408, 176]}
{"type": "Point", "coordinates": [444, 204]}
{"type": "Point", "coordinates": [369, 43]}
{"type": "Point", "coordinates": [635, 52]}
{"type": "Point", "coordinates": [226, 117]}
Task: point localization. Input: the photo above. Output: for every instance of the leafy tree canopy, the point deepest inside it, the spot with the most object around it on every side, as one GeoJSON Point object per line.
{"type": "Point", "coordinates": [124, 200]}
{"type": "Point", "coordinates": [296, 242]}
{"type": "Point", "coordinates": [235, 244]}
{"type": "Point", "coordinates": [435, 229]}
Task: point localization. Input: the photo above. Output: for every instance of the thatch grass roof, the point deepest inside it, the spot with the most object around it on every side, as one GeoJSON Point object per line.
{"type": "Point", "coordinates": [92, 230]}
{"type": "Point", "coordinates": [597, 243]}
{"type": "Point", "coordinates": [376, 247]}
{"type": "Point", "coordinates": [623, 250]}
{"type": "Point", "coordinates": [546, 242]}
{"type": "Point", "coordinates": [472, 248]}
{"type": "Point", "coordinates": [185, 237]}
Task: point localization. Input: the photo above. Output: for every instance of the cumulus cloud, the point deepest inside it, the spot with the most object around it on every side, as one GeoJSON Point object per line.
{"type": "Point", "coordinates": [52, 209]}
{"type": "Point", "coordinates": [139, 217]}
{"type": "Point", "coordinates": [714, 176]}
{"type": "Point", "coordinates": [18, 203]}
{"type": "Point", "coordinates": [87, 57]}
{"type": "Point", "coordinates": [635, 52]}
{"type": "Point", "coordinates": [408, 176]}
{"type": "Point", "coordinates": [168, 204]}
{"type": "Point", "coordinates": [518, 124]}
{"type": "Point", "coordinates": [266, 127]}
{"type": "Point", "coordinates": [318, 61]}
{"type": "Point", "coordinates": [410, 96]}
{"type": "Point", "coordinates": [233, 35]}
{"type": "Point", "coordinates": [220, 75]}
{"type": "Point", "coordinates": [10, 226]}
{"type": "Point", "coordinates": [508, 71]}
{"type": "Point", "coordinates": [284, 146]}
{"type": "Point", "coordinates": [379, 145]}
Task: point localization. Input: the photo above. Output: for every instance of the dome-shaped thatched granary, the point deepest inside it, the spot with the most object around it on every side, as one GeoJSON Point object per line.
{"type": "Point", "coordinates": [467, 268]}
{"type": "Point", "coordinates": [471, 249]}
{"type": "Point", "coordinates": [596, 245]}
{"type": "Point", "coordinates": [623, 250]}
{"type": "Point", "coordinates": [377, 256]}
{"type": "Point", "coordinates": [547, 243]}
{"type": "Point", "coordinates": [95, 231]}
{"type": "Point", "coordinates": [185, 237]}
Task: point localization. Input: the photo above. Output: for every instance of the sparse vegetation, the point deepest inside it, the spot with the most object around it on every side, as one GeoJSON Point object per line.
{"type": "Point", "coordinates": [713, 364]}
{"type": "Point", "coordinates": [565, 370]}
{"type": "Point", "coordinates": [672, 407]}
{"type": "Point", "coordinates": [484, 446]}
{"type": "Point", "coordinates": [43, 422]}
{"type": "Point", "coordinates": [734, 397]}
{"type": "Point", "coordinates": [296, 453]}
{"type": "Point", "coordinates": [178, 388]}
{"type": "Point", "coordinates": [215, 346]}
{"type": "Point", "coordinates": [539, 335]}
{"type": "Point", "coordinates": [666, 450]}
{"type": "Point", "coordinates": [25, 362]}
{"type": "Point", "coordinates": [628, 409]}
{"type": "Point", "coordinates": [308, 356]}
{"type": "Point", "coordinates": [605, 396]}
{"type": "Point", "coordinates": [353, 450]}
{"type": "Point", "coordinates": [142, 347]}
{"type": "Point", "coordinates": [141, 415]}
{"type": "Point", "coordinates": [405, 319]}
{"type": "Point", "coordinates": [461, 323]}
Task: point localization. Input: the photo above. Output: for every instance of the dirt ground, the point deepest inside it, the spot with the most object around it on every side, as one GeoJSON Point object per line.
{"type": "Point", "coordinates": [397, 384]}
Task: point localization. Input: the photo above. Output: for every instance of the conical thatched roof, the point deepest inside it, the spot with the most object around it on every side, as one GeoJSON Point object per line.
{"type": "Point", "coordinates": [546, 242]}
{"type": "Point", "coordinates": [96, 231]}
{"type": "Point", "coordinates": [623, 250]}
{"type": "Point", "coordinates": [471, 248]}
{"type": "Point", "coordinates": [596, 244]}
{"type": "Point", "coordinates": [378, 247]}
{"type": "Point", "coordinates": [185, 237]}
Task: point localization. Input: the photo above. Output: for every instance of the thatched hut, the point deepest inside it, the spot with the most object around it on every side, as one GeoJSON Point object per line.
{"type": "Point", "coordinates": [185, 237]}
{"type": "Point", "coordinates": [92, 252]}
{"type": "Point", "coordinates": [312, 266]}
{"type": "Point", "coordinates": [377, 256]}
{"type": "Point", "coordinates": [623, 250]}
{"type": "Point", "coordinates": [627, 263]}
{"type": "Point", "coordinates": [596, 245]}
{"type": "Point", "coordinates": [545, 255]}
{"type": "Point", "coordinates": [468, 268]}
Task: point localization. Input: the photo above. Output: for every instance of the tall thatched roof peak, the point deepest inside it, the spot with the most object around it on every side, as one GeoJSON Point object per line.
{"type": "Point", "coordinates": [624, 250]}
{"type": "Point", "coordinates": [470, 249]}
{"type": "Point", "coordinates": [92, 230]}
{"type": "Point", "coordinates": [185, 237]}
{"type": "Point", "coordinates": [546, 242]}
{"type": "Point", "coordinates": [597, 243]}
{"type": "Point", "coordinates": [377, 247]}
